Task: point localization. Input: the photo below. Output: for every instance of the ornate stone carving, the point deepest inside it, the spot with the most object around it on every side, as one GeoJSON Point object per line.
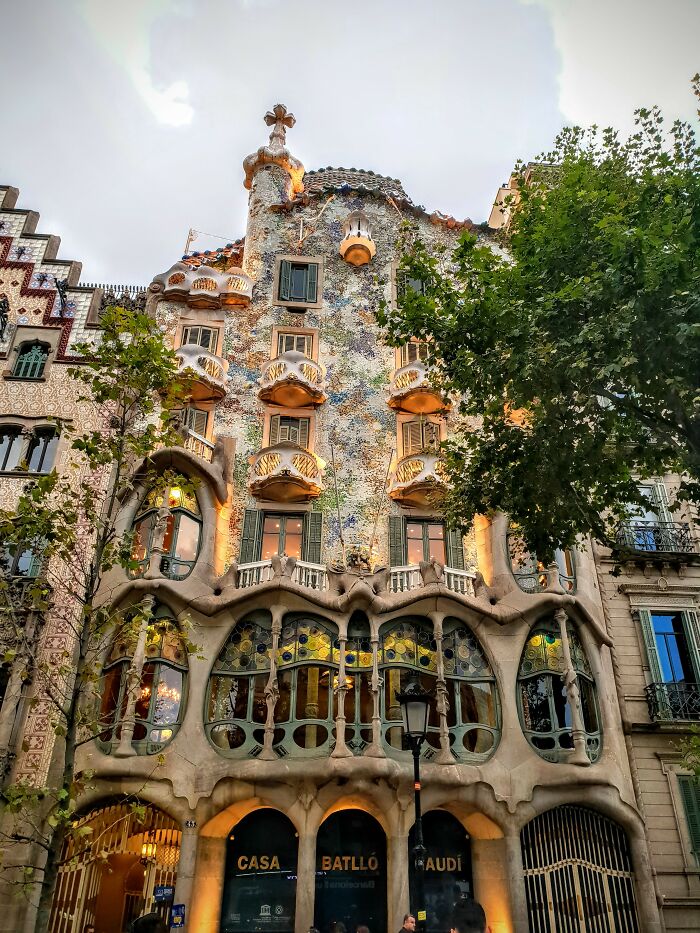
{"type": "Point", "coordinates": [276, 152]}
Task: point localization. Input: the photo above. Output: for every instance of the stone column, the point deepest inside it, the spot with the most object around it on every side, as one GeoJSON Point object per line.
{"type": "Point", "coordinates": [490, 874]}
{"type": "Point", "coordinates": [516, 881]}
{"type": "Point", "coordinates": [186, 866]}
{"type": "Point", "coordinates": [306, 882]}
{"type": "Point", "coordinates": [341, 750]}
{"type": "Point", "coordinates": [397, 880]}
{"type": "Point", "coordinates": [375, 749]}
{"type": "Point", "coordinates": [443, 703]}
{"type": "Point", "coordinates": [650, 920]}
{"type": "Point", "coordinates": [161, 526]}
{"type": "Point", "coordinates": [208, 885]}
{"type": "Point", "coordinates": [125, 748]}
{"type": "Point", "coordinates": [578, 732]}
{"type": "Point", "coordinates": [272, 689]}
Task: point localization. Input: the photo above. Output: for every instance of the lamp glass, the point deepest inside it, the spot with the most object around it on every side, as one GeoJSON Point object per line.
{"type": "Point", "coordinates": [415, 712]}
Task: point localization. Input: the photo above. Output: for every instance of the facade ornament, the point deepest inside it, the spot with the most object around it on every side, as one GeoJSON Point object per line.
{"type": "Point", "coordinates": [579, 755]}
{"type": "Point", "coordinates": [276, 152]}
{"type": "Point", "coordinates": [4, 315]}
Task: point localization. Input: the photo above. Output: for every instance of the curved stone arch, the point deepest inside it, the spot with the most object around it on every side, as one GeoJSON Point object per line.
{"type": "Point", "coordinates": [354, 801]}
{"type": "Point", "coordinates": [220, 824]}
{"type": "Point", "coordinates": [158, 794]}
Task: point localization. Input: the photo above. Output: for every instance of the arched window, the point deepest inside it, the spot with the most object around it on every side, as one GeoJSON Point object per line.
{"type": "Point", "coordinates": [545, 711]}
{"type": "Point", "coordinates": [31, 360]}
{"type": "Point", "coordinates": [41, 451]}
{"type": "Point", "coordinates": [407, 651]}
{"type": "Point", "coordinates": [473, 715]}
{"type": "Point", "coordinates": [307, 665]}
{"type": "Point", "coordinates": [11, 444]}
{"type": "Point", "coordinates": [33, 452]}
{"type": "Point", "coordinates": [161, 691]}
{"type": "Point", "coordinates": [531, 573]}
{"type": "Point", "coordinates": [236, 700]}
{"type": "Point", "coordinates": [183, 528]}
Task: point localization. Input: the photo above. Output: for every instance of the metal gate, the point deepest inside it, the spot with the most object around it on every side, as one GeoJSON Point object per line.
{"type": "Point", "coordinates": [578, 873]}
{"type": "Point", "coordinates": [116, 830]}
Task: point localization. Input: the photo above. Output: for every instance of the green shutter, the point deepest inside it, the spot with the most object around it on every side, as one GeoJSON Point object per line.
{"type": "Point", "coordinates": [690, 795]}
{"type": "Point", "coordinates": [454, 548]}
{"type": "Point", "coordinates": [285, 280]}
{"type": "Point", "coordinates": [647, 623]}
{"type": "Point", "coordinates": [690, 619]}
{"type": "Point", "coordinates": [311, 282]}
{"type": "Point", "coordinates": [251, 540]}
{"type": "Point", "coordinates": [397, 541]}
{"type": "Point", "coordinates": [311, 537]}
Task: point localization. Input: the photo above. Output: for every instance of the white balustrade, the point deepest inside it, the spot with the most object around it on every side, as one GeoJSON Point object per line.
{"type": "Point", "coordinates": [197, 444]}
{"type": "Point", "coordinates": [459, 581]}
{"type": "Point", "coordinates": [203, 363]}
{"type": "Point", "coordinates": [421, 471]}
{"type": "Point", "coordinates": [253, 574]}
{"type": "Point", "coordinates": [405, 578]}
{"type": "Point", "coordinates": [312, 576]}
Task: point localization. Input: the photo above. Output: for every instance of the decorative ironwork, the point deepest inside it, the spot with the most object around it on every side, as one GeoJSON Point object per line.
{"type": "Point", "coordinates": [666, 537]}
{"type": "Point", "coordinates": [673, 701]}
{"type": "Point", "coordinates": [31, 362]}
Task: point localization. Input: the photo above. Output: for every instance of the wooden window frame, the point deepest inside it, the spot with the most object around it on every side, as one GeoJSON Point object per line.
{"type": "Point", "coordinates": [311, 332]}
{"type": "Point", "coordinates": [300, 260]}
{"type": "Point", "coordinates": [406, 417]}
{"type": "Point", "coordinates": [190, 325]}
{"type": "Point", "coordinates": [308, 414]}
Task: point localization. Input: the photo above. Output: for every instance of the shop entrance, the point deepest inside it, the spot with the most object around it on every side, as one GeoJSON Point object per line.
{"type": "Point", "coordinates": [350, 872]}
{"type": "Point", "coordinates": [261, 875]}
{"type": "Point", "coordinates": [448, 868]}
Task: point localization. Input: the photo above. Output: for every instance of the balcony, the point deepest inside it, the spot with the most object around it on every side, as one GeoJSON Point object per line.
{"type": "Point", "coordinates": [206, 370]}
{"type": "Point", "coordinates": [411, 390]}
{"type": "Point", "coordinates": [419, 480]}
{"type": "Point", "coordinates": [292, 380]}
{"type": "Point", "coordinates": [198, 445]}
{"type": "Point", "coordinates": [656, 537]}
{"type": "Point", "coordinates": [313, 577]}
{"type": "Point", "coordinates": [286, 472]}
{"type": "Point", "coordinates": [673, 702]}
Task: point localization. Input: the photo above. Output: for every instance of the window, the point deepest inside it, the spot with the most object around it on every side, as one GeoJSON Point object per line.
{"type": "Point", "coordinates": [672, 643]}
{"type": "Point", "coordinates": [31, 361]}
{"type": "Point", "coordinates": [412, 540]}
{"type": "Point", "coordinates": [404, 284]}
{"type": "Point", "coordinates": [298, 282]}
{"type": "Point", "coordinates": [650, 526]}
{"type": "Point", "coordinates": [414, 351]}
{"type": "Point", "coordinates": [286, 428]}
{"type": "Point", "coordinates": [269, 533]}
{"type": "Point", "coordinates": [420, 435]}
{"type": "Point", "coordinates": [282, 534]}
{"type": "Point", "coordinates": [302, 343]}
{"type": "Point", "coordinates": [196, 419]}
{"type": "Point", "coordinates": [690, 795]}
{"type": "Point", "coordinates": [160, 694]}
{"type": "Point", "coordinates": [544, 705]}
{"type": "Point", "coordinates": [181, 537]}
{"type": "Point", "coordinates": [531, 573]}
{"type": "Point", "coordinates": [41, 451]}
{"type": "Point", "coordinates": [19, 562]}
{"type": "Point", "coordinates": [207, 337]}
{"type": "Point", "coordinates": [11, 444]}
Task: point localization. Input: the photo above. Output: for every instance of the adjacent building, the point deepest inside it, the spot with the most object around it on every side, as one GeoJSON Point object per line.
{"type": "Point", "coordinates": [314, 570]}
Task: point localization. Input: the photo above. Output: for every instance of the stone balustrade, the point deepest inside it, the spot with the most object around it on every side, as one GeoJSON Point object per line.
{"type": "Point", "coordinates": [411, 390]}
{"type": "Point", "coordinates": [207, 370]}
{"type": "Point", "coordinates": [286, 472]}
{"type": "Point", "coordinates": [292, 380]}
{"type": "Point", "coordinates": [418, 480]}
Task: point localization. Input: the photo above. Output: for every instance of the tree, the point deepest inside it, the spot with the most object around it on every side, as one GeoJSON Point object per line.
{"type": "Point", "coordinates": [574, 348]}
{"type": "Point", "coordinates": [130, 385]}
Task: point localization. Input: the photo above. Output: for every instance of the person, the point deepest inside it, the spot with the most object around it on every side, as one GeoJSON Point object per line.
{"type": "Point", "coordinates": [409, 923]}
{"type": "Point", "coordinates": [469, 917]}
{"type": "Point", "coordinates": [362, 929]}
{"type": "Point", "coordinates": [89, 928]}
{"type": "Point", "coordinates": [149, 923]}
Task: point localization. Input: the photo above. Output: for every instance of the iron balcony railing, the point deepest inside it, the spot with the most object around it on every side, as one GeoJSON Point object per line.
{"type": "Point", "coordinates": [669, 537]}
{"type": "Point", "coordinates": [673, 702]}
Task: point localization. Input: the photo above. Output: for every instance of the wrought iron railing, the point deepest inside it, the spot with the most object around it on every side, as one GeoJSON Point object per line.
{"type": "Point", "coordinates": [673, 701]}
{"type": "Point", "coordinates": [669, 537]}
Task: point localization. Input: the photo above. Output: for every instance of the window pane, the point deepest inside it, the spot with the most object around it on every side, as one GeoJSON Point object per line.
{"type": "Point", "coordinates": [272, 531]}
{"type": "Point", "coordinates": [561, 705]}
{"type": "Point", "coordinates": [143, 697]}
{"type": "Point", "coordinates": [298, 282]}
{"type": "Point", "coordinates": [142, 537]}
{"type": "Point", "coordinates": [110, 694]}
{"type": "Point", "coordinates": [672, 646]}
{"type": "Point", "coordinates": [312, 693]}
{"type": "Point", "coordinates": [588, 707]}
{"type": "Point", "coordinates": [283, 704]}
{"type": "Point", "coordinates": [187, 538]}
{"type": "Point", "coordinates": [415, 550]}
{"type": "Point", "coordinates": [168, 696]}
{"type": "Point", "coordinates": [259, 698]}
{"type": "Point", "coordinates": [477, 703]}
{"type": "Point", "coordinates": [436, 542]}
{"type": "Point", "coordinates": [169, 531]}
{"type": "Point", "coordinates": [41, 453]}
{"type": "Point", "coordinates": [292, 537]}
{"type": "Point", "coordinates": [26, 564]}
{"type": "Point", "coordinates": [10, 449]}
{"type": "Point", "coordinates": [534, 695]}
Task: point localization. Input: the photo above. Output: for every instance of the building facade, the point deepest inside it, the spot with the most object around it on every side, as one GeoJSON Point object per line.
{"type": "Point", "coordinates": [314, 570]}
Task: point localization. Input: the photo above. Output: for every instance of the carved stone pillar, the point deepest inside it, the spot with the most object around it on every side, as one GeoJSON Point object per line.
{"type": "Point", "coordinates": [443, 703]}
{"type": "Point", "coordinates": [578, 732]}
{"type": "Point", "coordinates": [125, 749]}
{"type": "Point", "coordinates": [209, 874]}
{"type": "Point", "coordinates": [272, 688]}
{"type": "Point", "coordinates": [306, 882]}
{"type": "Point", "coordinates": [375, 749]}
{"type": "Point", "coordinates": [341, 750]}
{"type": "Point", "coordinates": [397, 880]}
{"type": "Point", "coordinates": [186, 865]}
{"type": "Point", "coordinates": [159, 532]}
{"type": "Point", "coordinates": [516, 880]}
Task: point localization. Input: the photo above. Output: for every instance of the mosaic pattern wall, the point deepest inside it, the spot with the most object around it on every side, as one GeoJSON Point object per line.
{"type": "Point", "coordinates": [354, 428]}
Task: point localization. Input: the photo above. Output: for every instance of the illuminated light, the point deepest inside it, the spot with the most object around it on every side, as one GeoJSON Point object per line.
{"type": "Point", "coordinates": [149, 848]}
{"type": "Point", "coordinates": [176, 495]}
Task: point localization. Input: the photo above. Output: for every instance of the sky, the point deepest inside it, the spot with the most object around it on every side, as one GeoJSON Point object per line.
{"type": "Point", "coordinates": [125, 123]}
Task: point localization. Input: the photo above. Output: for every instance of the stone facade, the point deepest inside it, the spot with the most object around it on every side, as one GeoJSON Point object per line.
{"type": "Point", "coordinates": [320, 578]}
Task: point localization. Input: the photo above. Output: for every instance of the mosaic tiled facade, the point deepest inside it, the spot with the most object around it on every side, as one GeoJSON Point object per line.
{"type": "Point", "coordinates": [317, 577]}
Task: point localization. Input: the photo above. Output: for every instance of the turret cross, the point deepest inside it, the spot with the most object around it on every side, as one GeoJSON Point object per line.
{"type": "Point", "coordinates": [279, 119]}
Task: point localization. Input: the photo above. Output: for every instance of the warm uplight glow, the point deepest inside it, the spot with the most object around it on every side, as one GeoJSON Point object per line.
{"type": "Point", "coordinates": [175, 497]}
{"type": "Point", "coordinates": [148, 848]}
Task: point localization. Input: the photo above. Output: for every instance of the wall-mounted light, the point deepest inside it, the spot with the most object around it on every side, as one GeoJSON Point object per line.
{"type": "Point", "coordinates": [148, 848]}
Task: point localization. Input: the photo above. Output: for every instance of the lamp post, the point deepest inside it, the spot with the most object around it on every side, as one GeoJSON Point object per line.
{"type": "Point", "coordinates": [415, 708]}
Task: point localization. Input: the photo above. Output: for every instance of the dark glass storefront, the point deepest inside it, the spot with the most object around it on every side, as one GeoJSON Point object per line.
{"type": "Point", "coordinates": [448, 868]}
{"type": "Point", "coordinates": [351, 872]}
{"type": "Point", "coordinates": [261, 875]}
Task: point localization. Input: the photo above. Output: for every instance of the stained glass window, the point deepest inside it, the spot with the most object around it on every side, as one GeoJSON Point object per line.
{"type": "Point", "coordinates": [183, 527]}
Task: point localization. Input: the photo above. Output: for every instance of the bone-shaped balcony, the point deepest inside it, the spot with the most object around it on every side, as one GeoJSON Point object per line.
{"type": "Point", "coordinates": [418, 480]}
{"type": "Point", "coordinates": [206, 370]}
{"type": "Point", "coordinates": [286, 472]}
{"type": "Point", "coordinates": [292, 380]}
{"type": "Point", "coordinates": [411, 390]}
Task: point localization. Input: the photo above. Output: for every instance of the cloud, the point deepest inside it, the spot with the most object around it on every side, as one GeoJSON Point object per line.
{"type": "Point", "coordinates": [618, 55]}
{"type": "Point", "coordinates": [124, 31]}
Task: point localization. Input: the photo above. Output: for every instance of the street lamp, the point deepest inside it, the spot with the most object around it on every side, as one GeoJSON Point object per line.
{"type": "Point", "coordinates": [415, 709]}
